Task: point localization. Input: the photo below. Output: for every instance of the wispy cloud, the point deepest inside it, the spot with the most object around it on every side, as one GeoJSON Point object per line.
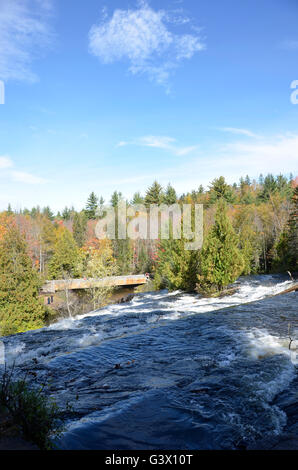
{"type": "Point", "coordinates": [238, 131]}
{"type": "Point", "coordinates": [160, 142]}
{"type": "Point", "coordinates": [6, 163]}
{"type": "Point", "coordinates": [23, 31]}
{"type": "Point", "coordinates": [143, 38]}
{"type": "Point", "coordinates": [27, 178]}
{"type": "Point", "coordinates": [274, 154]}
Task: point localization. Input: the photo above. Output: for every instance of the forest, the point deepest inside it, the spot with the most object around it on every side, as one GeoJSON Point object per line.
{"type": "Point", "coordinates": [249, 227]}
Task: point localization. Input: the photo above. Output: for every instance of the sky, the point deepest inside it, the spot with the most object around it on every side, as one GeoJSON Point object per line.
{"type": "Point", "coordinates": [104, 95]}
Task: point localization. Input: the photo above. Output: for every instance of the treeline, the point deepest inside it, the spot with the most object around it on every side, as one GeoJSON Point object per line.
{"type": "Point", "coordinates": [249, 227]}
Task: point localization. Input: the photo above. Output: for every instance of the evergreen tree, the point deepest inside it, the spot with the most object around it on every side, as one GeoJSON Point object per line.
{"type": "Point", "coordinates": [9, 210]}
{"type": "Point", "coordinates": [91, 206]}
{"type": "Point", "coordinates": [287, 246]}
{"type": "Point", "coordinates": [137, 199]}
{"type": "Point", "coordinates": [20, 307]}
{"type": "Point", "coordinates": [269, 187]}
{"type": "Point", "coordinates": [35, 212]}
{"type": "Point", "coordinates": [176, 267]}
{"type": "Point", "coordinates": [170, 196]}
{"type": "Point", "coordinates": [66, 213]}
{"type": "Point", "coordinates": [80, 228]}
{"type": "Point", "coordinates": [48, 213]}
{"type": "Point", "coordinates": [221, 190]}
{"type": "Point", "coordinates": [221, 262]}
{"type": "Point", "coordinates": [64, 262]}
{"type": "Point", "coordinates": [116, 198]}
{"type": "Point", "coordinates": [154, 194]}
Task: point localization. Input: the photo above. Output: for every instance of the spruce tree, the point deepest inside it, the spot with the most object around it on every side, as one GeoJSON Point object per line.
{"type": "Point", "coordinates": [20, 307]}
{"type": "Point", "coordinates": [154, 194]}
{"type": "Point", "coordinates": [219, 189]}
{"type": "Point", "coordinates": [116, 198]}
{"type": "Point", "coordinates": [170, 196]}
{"type": "Point", "coordinates": [137, 199]}
{"type": "Point", "coordinates": [91, 206]}
{"type": "Point", "coordinates": [221, 262]}
{"type": "Point", "coordinates": [80, 228]}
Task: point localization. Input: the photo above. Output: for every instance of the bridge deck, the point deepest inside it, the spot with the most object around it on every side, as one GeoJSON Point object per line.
{"type": "Point", "coordinates": [72, 284]}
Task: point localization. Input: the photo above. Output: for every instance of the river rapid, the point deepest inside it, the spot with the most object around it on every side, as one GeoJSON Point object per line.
{"type": "Point", "coordinates": [172, 370]}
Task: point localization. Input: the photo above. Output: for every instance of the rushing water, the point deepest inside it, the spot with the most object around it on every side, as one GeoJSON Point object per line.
{"type": "Point", "coordinates": [191, 373]}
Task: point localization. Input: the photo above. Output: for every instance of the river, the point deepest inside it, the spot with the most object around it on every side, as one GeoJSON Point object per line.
{"type": "Point", "coordinates": [172, 370]}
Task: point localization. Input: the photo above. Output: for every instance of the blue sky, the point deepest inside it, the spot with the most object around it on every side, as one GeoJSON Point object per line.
{"type": "Point", "coordinates": [104, 95]}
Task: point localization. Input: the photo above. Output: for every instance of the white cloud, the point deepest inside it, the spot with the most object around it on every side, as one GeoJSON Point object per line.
{"type": "Point", "coordinates": [5, 162]}
{"type": "Point", "coordinates": [276, 154]}
{"type": "Point", "coordinates": [143, 38]}
{"type": "Point", "coordinates": [236, 130]}
{"type": "Point", "coordinates": [160, 142]}
{"type": "Point", "coordinates": [23, 31]}
{"type": "Point", "coordinates": [27, 178]}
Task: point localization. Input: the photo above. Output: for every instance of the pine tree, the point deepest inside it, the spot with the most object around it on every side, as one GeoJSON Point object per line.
{"type": "Point", "coordinates": [154, 194]}
{"type": "Point", "coordinates": [170, 196]}
{"type": "Point", "coordinates": [137, 199]}
{"type": "Point", "coordinates": [64, 262]}
{"type": "Point", "coordinates": [66, 213]}
{"type": "Point", "coordinates": [91, 206]}
{"type": "Point", "coordinates": [20, 307]}
{"type": "Point", "coordinates": [221, 262]}
{"type": "Point", "coordinates": [219, 189]}
{"type": "Point", "coordinates": [80, 228]}
{"type": "Point", "coordinates": [116, 198]}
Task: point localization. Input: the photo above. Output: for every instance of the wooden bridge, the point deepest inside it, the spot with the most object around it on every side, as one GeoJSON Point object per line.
{"type": "Point", "coordinates": [50, 287]}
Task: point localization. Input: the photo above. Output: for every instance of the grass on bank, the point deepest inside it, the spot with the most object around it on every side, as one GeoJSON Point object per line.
{"type": "Point", "coordinates": [29, 411]}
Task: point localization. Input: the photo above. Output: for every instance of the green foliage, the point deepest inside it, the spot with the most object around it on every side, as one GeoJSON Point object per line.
{"type": "Point", "coordinates": [137, 199]}
{"type": "Point", "coordinates": [221, 262]}
{"type": "Point", "coordinates": [248, 239]}
{"type": "Point", "coordinates": [31, 410]}
{"type": "Point", "coordinates": [91, 206]}
{"type": "Point", "coordinates": [48, 213]}
{"type": "Point", "coordinates": [154, 194]}
{"type": "Point", "coordinates": [287, 246]}
{"type": "Point", "coordinates": [64, 262]}
{"type": "Point", "coordinates": [20, 307]}
{"type": "Point", "coordinates": [79, 228]}
{"type": "Point", "coordinates": [221, 190]}
{"type": "Point", "coordinates": [176, 266]}
{"type": "Point", "coordinates": [170, 196]}
{"type": "Point", "coordinates": [116, 198]}
{"type": "Point", "coordinates": [99, 263]}
{"type": "Point", "coordinates": [123, 253]}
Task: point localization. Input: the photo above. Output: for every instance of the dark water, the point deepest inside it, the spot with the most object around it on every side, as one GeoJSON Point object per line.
{"type": "Point", "coordinates": [194, 373]}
